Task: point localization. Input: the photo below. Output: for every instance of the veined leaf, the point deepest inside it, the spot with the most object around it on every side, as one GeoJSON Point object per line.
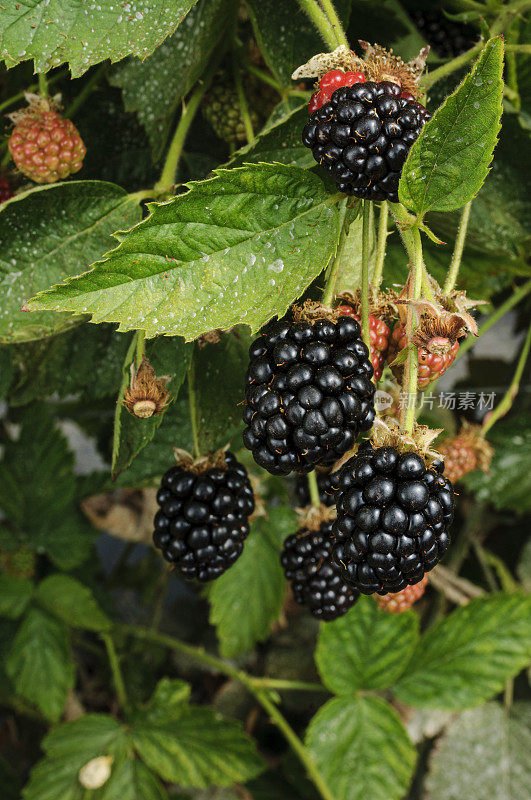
{"type": "Point", "coordinates": [246, 600]}
{"type": "Point", "coordinates": [68, 599]}
{"type": "Point", "coordinates": [281, 142]}
{"type": "Point", "coordinates": [54, 31]}
{"type": "Point", "coordinates": [47, 234]}
{"type": "Point", "coordinates": [132, 780]}
{"type": "Point", "coordinates": [448, 163]}
{"type": "Point", "coordinates": [238, 248]}
{"type": "Point", "coordinates": [40, 664]}
{"type": "Point", "coordinates": [365, 649]}
{"type": "Point", "coordinates": [15, 594]}
{"type": "Point", "coordinates": [466, 658]}
{"type": "Point", "coordinates": [362, 749]}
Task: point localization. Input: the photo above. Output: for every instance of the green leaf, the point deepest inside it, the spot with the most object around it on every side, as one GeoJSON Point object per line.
{"type": "Point", "coordinates": [40, 664]}
{"type": "Point", "coordinates": [281, 143]}
{"type": "Point", "coordinates": [154, 87]}
{"type": "Point", "coordinates": [238, 248]}
{"type": "Point", "coordinates": [362, 749]}
{"type": "Point", "coordinates": [7, 370]}
{"type": "Point", "coordinates": [200, 748]}
{"type": "Point", "coordinates": [69, 747]}
{"type": "Point", "coordinates": [132, 780]}
{"type": "Point", "coordinates": [15, 594]}
{"type": "Point", "coordinates": [247, 599]}
{"type": "Point", "coordinates": [43, 512]}
{"type": "Point", "coordinates": [53, 32]}
{"type": "Point", "coordinates": [483, 755]}
{"type": "Point", "coordinates": [167, 702]}
{"type": "Point", "coordinates": [523, 569]}
{"type": "Point", "coordinates": [286, 36]}
{"type": "Point", "coordinates": [168, 357]}
{"type": "Point", "coordinates": [365, 649]}
{"type": "Point", "coordinates": [69, 225]}
{"type": "Point", "coordinates": [221, 366]}
{"type": "Point", "coordinates": [73, 603]}
{"type": "Point", "coordinates": [450, 160]}
{"type": "Point", "coordinates": [507, 484]}
{"type": "Point", "coordinates": [467, 657]}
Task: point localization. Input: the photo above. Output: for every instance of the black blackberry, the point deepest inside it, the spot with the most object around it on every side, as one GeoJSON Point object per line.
{"type": "Point", "coordinates": [392, 523]}
{"type": "Point", "coordinates": [203, 518]}
{"type": "Point", "coordinates": [325, 484]}
{"type": "Point", "coordinates": [446, 37]}
{"type": "Point", "coordinates": [308, 393]}
{"type": "Point", "coordinates": [315, 579]}
{"type": "Point", "coordinates": [363, 136]}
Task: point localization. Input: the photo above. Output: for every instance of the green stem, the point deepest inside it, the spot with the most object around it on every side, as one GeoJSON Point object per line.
{"type": "Point", "coordinates": [381, 244]}
{"type": "Point", "coordinates": [264, 76]}
{"type": "Point", "coordinates": [200, 655]}
{"type": "Point", "coordinates": [87, 90]}
{"type": "Point", "coordinates": [511, 65]}
{"type": "Point", "coordinates": [116, 671]}
{"type": "Point", "coordinates": [120, 399]}
{"type": "Point", "coordinates": [485, 566]}
{"type": "Point", "coordinates": [43, 84]}
{"type": "Point", "coordinates": [428, 80]}
{"type": "Point", "coordinates": [193, 407]}
{"type": "Point", "coordinates": [167, 178]}
{"type": "Point", "coordinates": [331, 13]}
{"type": "Point", "coordinates": [328, 293]}
{"type": "Point", "coordinates": [140, 347]}
{"type": "Point", "coordinates": [404, 223]}
{"type": "Point", "coordinates": [518, 48]}
{"type": "Point", "coordinates": [314, 489]}
{"type": "Point", "coordinates": [281, 684]}
{"type": "Point", "coordinates": [459, 246]}
{"type": "Point", "coordinates": [507, 15]}
{"type": "Point", "coordinates": [365, 241]}
{"type": "Point", "coordinates": [412, 363]}
{"type": "Point", "coordinates": [495, 317]}
{"type": "Point", "coordinates": [242, 100]}
{"type": "Point", "coordinates": [321, 22]}
{"type": "Point", "coordinates": [33, 88]}
{"type": "Point", "coordinates": [508, 399]}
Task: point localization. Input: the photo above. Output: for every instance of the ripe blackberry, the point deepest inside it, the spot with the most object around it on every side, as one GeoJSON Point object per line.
{"type": "Point", "coordinates": [204, 517]}
{"type": "Point", "coordinates": [392, 521]}
{"type": "Point", "coordinates": [325, 483]}
{"type": "Point", "coordinates": [315, 579]}
{"type": "Point", "coordinates": [308, 393]}
{"type": "Point", "coordinates": [397, 602]}
{"type": "Point", "coordinates": [44, 146]}
{"type": "Point", "coordinates": [363, 136]}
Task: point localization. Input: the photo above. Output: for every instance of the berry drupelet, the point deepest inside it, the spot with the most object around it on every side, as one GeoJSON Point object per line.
{"type": "Point", "coordinates": [308, 394]}
{"type": "Point", "coordinates": [363, 135]}
{"type": "Point", "coordinates": [315, 579]}
{"type": "Point", "coordinates": [203, 518]}
{"type": "Point", "coordinates": [393, 515]}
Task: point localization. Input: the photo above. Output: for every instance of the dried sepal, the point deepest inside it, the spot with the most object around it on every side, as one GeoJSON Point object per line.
{"type": "Point", "coordinates": [313, 517]}
{"type": "Point", "coordinates": [210, 337]}
{"type": "Point", "coordinates": [382, 304]}
{"type": "Point", "coordinates": [37, 105]}
{"type": "Point", "coordinates": [312, 311]}
{"type": "Point", "coordinates": [378, 64]}
{"type": "Point", "coordinates": [146, 394]}
{"type": "Point", "coordinates": [389, 434]}
{"type": "Point", "coordinates": [202, 464]}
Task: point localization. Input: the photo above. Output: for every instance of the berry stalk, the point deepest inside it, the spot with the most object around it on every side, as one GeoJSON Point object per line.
{"type": "Point", "coordinates": [403, 222]}
{"type": "Point", "coordinates": [242, 100]}
{"type": "Point", "coordinates": [381, 244]}
{"type": "Point", "coordinates": [365, 234]}
{"type": "Point", "coordinates": [331, 13]}
{"type": "Point", "coordinates": [114, 663]}
{"type": "Point", "coordinates": [459, 246]}
{"type": "Point", "coordinates": [328, 293]}
{"type": "Point", "coordinates": [508, 399]}
{"type": "Point", "coordinates": [193, 407]}
{"type": "Point", "coordinates": [429, 79]}
{"type": "Point", "coordinates": [412, 363]}
{"type": "Point", "coordinates": [43, 84]}
{"type": "Point", "coordinates": [321, 22]}
{"type": "Point", "coordinates": [314, 489]}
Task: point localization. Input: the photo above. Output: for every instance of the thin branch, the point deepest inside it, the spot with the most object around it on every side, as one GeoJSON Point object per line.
{"type": "Point", "coordinates": [365, 240]}
{"type": "Point", "coordinates": [381, 244]}
{"type": "Point", "coordinates": [453, 271]}
{"type": "Point", "coordinates": [508, 399]}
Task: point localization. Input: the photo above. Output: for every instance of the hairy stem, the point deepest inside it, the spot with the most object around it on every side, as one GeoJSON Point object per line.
{"type": "Point", "coordinates": [428, 80]}
{"type": "Point", "coordinates": [507, 14]}
{"type": "Point", "coordinates": [259, 692]}
{"type": "Point", "coordinates": [314, 489]}
{"type": "Point", "coordinates": [459, 246]}
{"type": "Point", "coordinates": [404, 224]}
{"type": "Point", "coordinates": [381, 244]}
{"type": "Point", "coordinates": [43, 84]}
{"type": "Point", "coordinates": [193, 407]}
{"type": "Point", "coordinates": [331, 13]}
{"type": "Point", "coordinates": [140, 347]}
{"type": "Point", "coordinates": [116, 671]}
{"type": "Point", "coordinates": [242, 101]}
{"type": "Point", "coordinates": [264, 76]}
{"type": "Point", "coordinates": [120, 399]}
{"type": "Point", "coordinates": [412, 363]}
{"type": "Point", "coordinates": [321, 22]}
{"type": "Point", "coordinates": [365, 240]}
{"type": "Point", "coordinates": [328, 293]}
{"type": "Point", "coordinates": [508, 399]}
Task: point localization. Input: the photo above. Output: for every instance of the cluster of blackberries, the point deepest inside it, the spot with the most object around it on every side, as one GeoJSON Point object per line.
{"type": "Point", "coordinates": [203, 518]}
{"type": "Point", "coordinates": [315, 580]}
{"type": "Point", "coordinates": [308, 394]}
{"type": "Point", "coordinates": [393, 515]}
{"type": "Point", "coordinates": [363, 136]}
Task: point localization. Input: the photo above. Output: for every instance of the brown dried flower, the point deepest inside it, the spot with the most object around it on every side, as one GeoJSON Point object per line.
{"type": "Point", "coordinates": [146, 394]}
